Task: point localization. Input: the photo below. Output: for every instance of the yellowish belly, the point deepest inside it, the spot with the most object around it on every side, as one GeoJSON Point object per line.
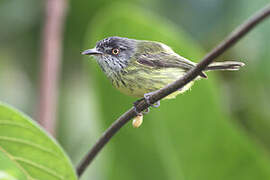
{"type": "Point", "coordinates": [142, 82]}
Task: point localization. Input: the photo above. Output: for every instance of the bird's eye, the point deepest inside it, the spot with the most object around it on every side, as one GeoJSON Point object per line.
{"type": "Point", "coordinates": [115, 51]}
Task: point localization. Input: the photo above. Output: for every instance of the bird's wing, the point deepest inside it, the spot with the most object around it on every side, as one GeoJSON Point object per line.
{"type": "Point", "coordinates": [158, 55]}
{"type": "Point", "coordinates": [164, 60]}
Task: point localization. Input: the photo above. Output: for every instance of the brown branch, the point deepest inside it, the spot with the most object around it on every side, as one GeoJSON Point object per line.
{"type": "Point", "coordinates": [189, 76]}
{"type": "Point", "coordinates": [51, 60]}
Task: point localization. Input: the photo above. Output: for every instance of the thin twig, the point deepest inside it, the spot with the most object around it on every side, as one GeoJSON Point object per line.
{"type": "Point", "coordinates": [51, 60]}
{"type": "Point", "coordinates": [189, 76]}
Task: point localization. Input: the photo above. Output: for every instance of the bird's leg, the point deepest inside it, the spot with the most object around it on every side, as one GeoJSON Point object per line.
{"type": "Point", "coordinates": [146, 97]}
{"type": "Point", "coordinates": [135, 107]}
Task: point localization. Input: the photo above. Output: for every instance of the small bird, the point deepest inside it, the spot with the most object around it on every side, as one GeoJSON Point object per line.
{"type": "Point", "coordinates": [140, 67]}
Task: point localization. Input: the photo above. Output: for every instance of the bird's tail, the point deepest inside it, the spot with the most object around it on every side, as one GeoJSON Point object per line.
{"type": "Point", "coordinates": [225, 66]}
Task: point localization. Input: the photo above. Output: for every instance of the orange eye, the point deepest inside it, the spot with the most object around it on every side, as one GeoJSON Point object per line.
{"type": "Point", "coordinates": [115, 51]}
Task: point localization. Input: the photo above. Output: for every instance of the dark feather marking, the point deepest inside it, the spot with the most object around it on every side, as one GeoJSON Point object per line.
{"type": "Point", "coordinates": [146, 62]}
{"type": "Point", "coordinates": [123, 72]}
{"type": "Point", "coordinates": [123, 82]}
{"type": "Point", "coordinates": [121, 65]}
{"type": "Point", "coordinates": [164, 64]}
{"type": "Point", "coordinates": [158, 63]}
{"type": "Point", "coordinates": [117, 84]}
{"type": "Point", "coordinates": [130, 72]}
{"type": "Point", "coordinates": [106, 62]}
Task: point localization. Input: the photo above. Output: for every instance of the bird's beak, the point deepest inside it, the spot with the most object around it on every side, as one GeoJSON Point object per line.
{"type": "Point", "coordinates": [93, 51]}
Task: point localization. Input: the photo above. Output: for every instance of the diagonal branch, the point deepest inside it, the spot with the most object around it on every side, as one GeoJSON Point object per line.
{"type": "Point", "coordinates": [189, 76]}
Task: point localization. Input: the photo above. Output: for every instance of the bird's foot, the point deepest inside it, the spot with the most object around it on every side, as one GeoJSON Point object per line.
{"type": "Point", "coordinates": [135, 108]}
{"type": "Point", "coordinates": [146, 97]}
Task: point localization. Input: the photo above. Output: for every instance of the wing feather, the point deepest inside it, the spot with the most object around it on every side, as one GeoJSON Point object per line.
{"type": "Point", "coordinates": [158, 55]}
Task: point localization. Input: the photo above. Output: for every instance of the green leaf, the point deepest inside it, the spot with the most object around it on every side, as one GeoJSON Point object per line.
{"type": "Point", "coordinates": [9, 170]}
{"type": "Point", "coordinates": [31, 149]}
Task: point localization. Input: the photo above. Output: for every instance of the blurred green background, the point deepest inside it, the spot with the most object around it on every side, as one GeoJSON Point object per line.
{"type": "Point", "coordinates": [218, 130]}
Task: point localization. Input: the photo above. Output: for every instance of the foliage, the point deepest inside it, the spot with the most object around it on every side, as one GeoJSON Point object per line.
{"type": "Point", "coordinates": [27, 152]}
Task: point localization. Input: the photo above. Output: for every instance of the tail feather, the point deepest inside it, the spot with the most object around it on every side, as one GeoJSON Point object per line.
{"type": "Point", "coordinates": [226, 66]}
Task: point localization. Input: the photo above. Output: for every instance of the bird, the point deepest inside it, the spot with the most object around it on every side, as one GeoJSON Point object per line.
{"type": "Point", "coordinates": [140, 67]}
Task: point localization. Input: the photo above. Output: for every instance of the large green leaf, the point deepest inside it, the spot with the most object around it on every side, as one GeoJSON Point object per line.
{"type": "Point", "coordinates": [191, 137]}
{"type": "Point", "coordinates": [31, 149]}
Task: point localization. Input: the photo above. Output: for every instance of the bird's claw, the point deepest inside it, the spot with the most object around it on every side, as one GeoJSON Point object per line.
{"type": "Point", "coordinates": [135, 108]}
{"type": "Point", "coordinates": [146, 97]}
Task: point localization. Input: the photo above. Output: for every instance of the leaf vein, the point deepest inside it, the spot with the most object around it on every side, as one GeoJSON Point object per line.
{"type": "Point", "coordinates": [47, 170]}
{"type": "Point", "coordinates": [19, 166]}
{"type": "Point", "coordinates": [21, 141]}
{"type": "Point", "coordinates": [7, 122]}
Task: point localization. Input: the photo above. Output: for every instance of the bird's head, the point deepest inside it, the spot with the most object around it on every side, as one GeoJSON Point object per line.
{"type": "Point", "coordinates": [114, 52]}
